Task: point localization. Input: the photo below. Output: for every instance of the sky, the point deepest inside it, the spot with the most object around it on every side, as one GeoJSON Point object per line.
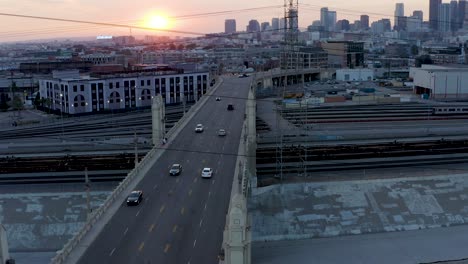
{"type": "Point", "coordinates": [134, 12]}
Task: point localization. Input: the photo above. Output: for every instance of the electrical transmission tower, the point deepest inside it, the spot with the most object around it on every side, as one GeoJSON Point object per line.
{"type": "Point", "coordinates": [288, 62]}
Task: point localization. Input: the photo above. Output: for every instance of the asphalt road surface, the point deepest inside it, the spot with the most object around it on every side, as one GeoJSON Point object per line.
{"type": "Point", "coordinates": [182, 218]}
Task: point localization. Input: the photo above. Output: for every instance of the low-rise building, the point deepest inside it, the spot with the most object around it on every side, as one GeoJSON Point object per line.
{"type": "Point", "coordinates": [354, 74]}
{"type": "Point", "coordinates": [70, 93]}
{"type": "Point", "coordinates": [439, 82]}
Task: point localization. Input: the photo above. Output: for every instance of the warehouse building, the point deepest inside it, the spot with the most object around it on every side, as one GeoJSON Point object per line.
{"type": "Point", "coordinates": [68, 92]}
{"type": "Point", "coordinates": [440, 82]}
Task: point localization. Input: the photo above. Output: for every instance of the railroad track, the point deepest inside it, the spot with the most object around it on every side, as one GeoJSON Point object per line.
{"type": "Point", "coordinates": [297, 159]}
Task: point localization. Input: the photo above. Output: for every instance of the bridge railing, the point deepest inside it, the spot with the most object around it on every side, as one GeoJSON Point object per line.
{"type": "Point", "coordinates": [139, 171]}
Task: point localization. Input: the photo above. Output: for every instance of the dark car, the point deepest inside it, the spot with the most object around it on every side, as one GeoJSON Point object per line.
{"type": "Point", "coordinates": [135, 198]}
{"type": "Point", "coordinates": [230, 107]}
{"type": "Point", "coordinates": [176, 169]}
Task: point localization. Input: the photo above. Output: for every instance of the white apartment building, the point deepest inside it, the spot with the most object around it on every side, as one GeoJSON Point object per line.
{"type": "Point", "coordinates": [72, 94]}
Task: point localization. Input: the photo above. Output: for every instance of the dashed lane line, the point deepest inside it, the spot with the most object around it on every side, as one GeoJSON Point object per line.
{"type": "Point", "coordinates": [162, 208]}
{"type": "Point", "coordinates": [167, 247]}
{"type": "Point", "coordinates": [142, 245]}
{"type": "Point", "coordinates": [151, 228]}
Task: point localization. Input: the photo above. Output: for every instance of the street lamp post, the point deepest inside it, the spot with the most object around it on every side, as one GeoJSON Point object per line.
{"type": "Point", "coordinates": [61, 114]}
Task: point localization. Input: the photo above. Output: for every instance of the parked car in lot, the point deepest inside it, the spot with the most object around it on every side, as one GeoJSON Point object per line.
{"type": "Point", "coordinates": [135, 198]}
{"type": "Point", "coordinates": [199, 128]}
{"type": "Point", "coordinates": [207, 173]}
{"type": "Point", "coordinates": [176, 169]}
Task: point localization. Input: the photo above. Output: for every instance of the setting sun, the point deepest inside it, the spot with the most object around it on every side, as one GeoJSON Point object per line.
{"type": "Point", "coordinates": [158, 22]}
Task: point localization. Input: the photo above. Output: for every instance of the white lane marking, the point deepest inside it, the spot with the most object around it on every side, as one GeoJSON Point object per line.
{"type": "Point", "coordinates": [213, 182]}
{"type": "Point", "coordinates": [155, 186]}
{"type": "Point", "coordinates": [223, 147]}
{"type": "Point", "coordinates": [209, 193]}
{"type": "Point", "coordinates": [194, 243]}
{"type": "Point", "coordinates": [201, 221]}
{"type": "Point", "coordinates": [205, 206]}
{"type": "Point", "coordinates": [219, 162]}
{"type": "Point", "coordinates": [112, 252]}
{"type": "Point", "coordinates": [138, 213]}
{"type": "Point", "coordinates": [126, 230]}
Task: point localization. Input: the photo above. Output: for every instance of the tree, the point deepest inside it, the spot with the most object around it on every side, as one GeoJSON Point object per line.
{"type": "Point", "coordinates": [37, 100]}
{"type": "Point", "coordinates": [3, 102]}
{"type": "Point", "coordinates": [17, 103]}
{"type": "Point", "coordinates": [414, 50]}
{"type": "Point", "coordinates": [172, 46]}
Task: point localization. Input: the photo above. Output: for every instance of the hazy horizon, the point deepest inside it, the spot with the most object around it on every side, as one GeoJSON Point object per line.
{"type": "Point", "coordinates": [18, 29]}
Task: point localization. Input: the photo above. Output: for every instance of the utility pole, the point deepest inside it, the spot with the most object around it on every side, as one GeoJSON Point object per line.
{"type": "Point", "coordinates": [88, 199]}
{"type": "Point", "coordinates": [183, 101]}
{"type": "Point", "coordinates": [135, 140]}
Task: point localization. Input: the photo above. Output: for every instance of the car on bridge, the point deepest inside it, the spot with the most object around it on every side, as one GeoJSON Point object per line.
{"type": "Point", "coordinates": [175, 170]}
{"type": "Point", "coordinates": [199, 128]}
{"type": "Point", "coordinates": [218, 99]}
{"type": "Point", "coordinates": [135, 198]}
{"type": "Point", "coordinates": [207, 173]}
{"type": "Point", "coordinates": [230, 107]}
{"type": "Point", "coordinates": [221, 132]}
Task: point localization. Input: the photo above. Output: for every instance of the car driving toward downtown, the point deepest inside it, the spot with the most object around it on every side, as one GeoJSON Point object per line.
{"type": "Point", "coordinates": [207, 173]}
{"type": "Point", "coordinates": [176, 169]}
{"type": "Point", "coordinates": [135, 198]}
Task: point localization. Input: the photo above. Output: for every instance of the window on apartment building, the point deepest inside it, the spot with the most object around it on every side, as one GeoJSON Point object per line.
{"type": "Point", "coordinates": [148, 82]}
{"type": "Point", "coordinates": [82, 88]}
{"type": "Point", "coordinates": [117, 85]}
{"type": "Point", "coordinates": [132, 83]}
{"type": "Point", "coordinates": [111, 85]}
{"type": "Point", "coordinates": [126, 83]}
{"type": "Point", "coordinates": [75, 88]}
{"type": "Point", "coordinates": [142, 83]}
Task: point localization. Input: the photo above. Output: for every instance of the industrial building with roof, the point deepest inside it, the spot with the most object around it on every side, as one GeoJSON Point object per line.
{"type": "Point", "coordinates": [441, 82]}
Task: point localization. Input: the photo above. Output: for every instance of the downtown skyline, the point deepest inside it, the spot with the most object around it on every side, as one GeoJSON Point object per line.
{"type": "Point", "coordinates": [29, 29]}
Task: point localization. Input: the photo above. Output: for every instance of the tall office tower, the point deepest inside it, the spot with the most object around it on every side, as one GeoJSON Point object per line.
{"type": "Point", "coordinates": [364, 22]}
{"type": "Point", "coordinates": [229, 26]}
{"type": "Point", "coordinates": [253, 26]}
{"type": "Point", "coordinates": [399, 12]}
{"type": "Point", "coordinates": [331, 20]}
{"type": "Point", "coordinates": [434, 14]}
{"type": "Point", "coordinates": [324, 17]}
{"type": "Point", "coordinates": [418, 14]}
{"type": "Point", "coordinates": [387, 25]}
{"type": "Point", "coordinates": [275, 24]}
{"type": "Point", "coordinates": [454, 15]}
{"type": "Point", "coordinates": [265, 26]}
{"type": "Point", "coordinates": [461, 13]}
{"type": "Point", "coordinates": [444, 18]}
{"type": "Point", "coordinates": [342, 25]}
{"type": "Point", "coordinates": [282, 23]}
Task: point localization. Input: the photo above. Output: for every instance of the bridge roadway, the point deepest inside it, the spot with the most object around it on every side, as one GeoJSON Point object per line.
{"type": "Point", "coordinates": [182, 218]}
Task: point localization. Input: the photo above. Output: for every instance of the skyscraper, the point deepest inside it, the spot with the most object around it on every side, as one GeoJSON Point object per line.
{"type": "Point", "coordinates": [365, 22]}
{"type": "Point", "coordinates": [399, 12]}
{"type": "Point", "coordinates": [324, 17]}
{"type": "Point", "coordinates": [461, 13]}
{"type": "Point", "coordinates": [265, 26]}
{"type": "Point", "coordinates": [418, 14]}
{"type": "Point", "coordinates": [331, 20]}
{"type": "Point", "coordinates": [253, 26]}
{"type": "Point", "coordinates": [229, 26]}
{"type": "Point", "coordinates": [453, 15]}
{"type": "Point", "coordinates": [275, 24]}
{"type": "Point", "coordinates": [434, 14]}
{"type": "Point", "coordinates": [444, 18]}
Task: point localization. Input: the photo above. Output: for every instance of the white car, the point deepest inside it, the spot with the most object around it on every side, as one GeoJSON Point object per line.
{"type": "Point", "coordinates": [207, 173]}
{"type": "Point", "coordinates": [199, 128]}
